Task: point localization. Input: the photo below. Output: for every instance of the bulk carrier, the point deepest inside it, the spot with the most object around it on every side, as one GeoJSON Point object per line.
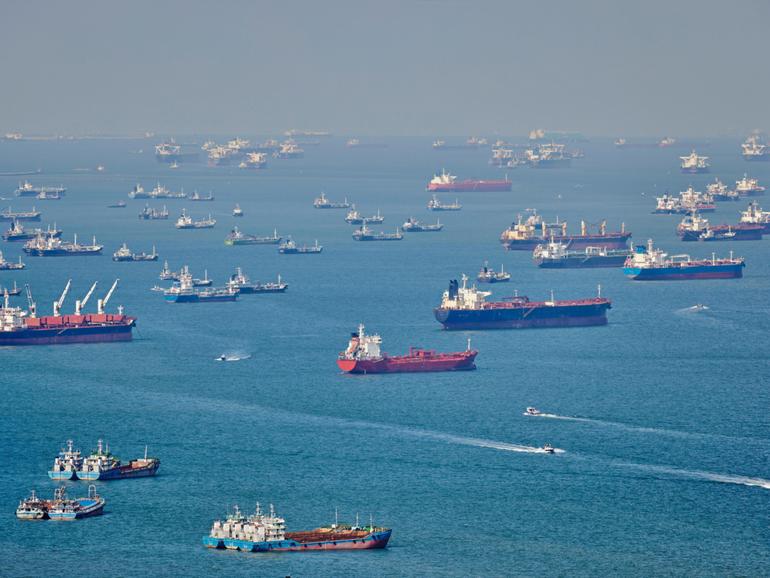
{"type": "Point", "coordinates": [527, 235]}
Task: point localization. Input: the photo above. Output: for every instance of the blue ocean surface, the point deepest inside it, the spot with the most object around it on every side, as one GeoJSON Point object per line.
{"type": "Point", "coordinates": [662, 414]}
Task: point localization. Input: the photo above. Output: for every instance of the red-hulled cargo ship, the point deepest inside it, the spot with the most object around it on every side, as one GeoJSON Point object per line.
{"type": "Point", "coordinates": [527, 235]}
{"type": "Point", "coordinates": [445, 183]}
{"type": "Point", "coordinates": [363, 356]}
{"type": "Point", "coordinates": [20, 327]}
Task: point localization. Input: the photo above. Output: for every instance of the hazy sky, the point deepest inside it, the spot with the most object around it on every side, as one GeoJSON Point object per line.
{"type": "Point", "coordinates": [431, 67]}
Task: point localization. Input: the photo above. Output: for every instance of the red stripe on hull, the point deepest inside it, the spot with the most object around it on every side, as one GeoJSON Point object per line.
{"type": "Point", "coordinates": [586, 321]}
{"type": "Point", "coordinates": [448, 362]}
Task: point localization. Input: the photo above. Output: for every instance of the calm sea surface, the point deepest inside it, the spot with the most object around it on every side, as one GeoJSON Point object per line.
{"type": "Point", "coordinates": [663, 413]}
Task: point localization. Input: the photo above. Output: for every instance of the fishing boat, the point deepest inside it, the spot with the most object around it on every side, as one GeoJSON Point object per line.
{"type": "Point", "coordinates": [62, 508]}
{"type": "Point", "coordinates": [289, 247]}
{"type": "Point", "coordinates": [66, 464]}
{"type": "Point", "coordinates": [32, 508]}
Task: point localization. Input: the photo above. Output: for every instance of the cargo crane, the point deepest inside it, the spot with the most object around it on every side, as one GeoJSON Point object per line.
{"type": "Point", "coordinates": [80, 304]}
{"type": "Point", "coordinates": [57, 304]}
{"type": "Point", "coordinates": [30, 302]}
{"type": "Point", "coordinates": [101, 303]}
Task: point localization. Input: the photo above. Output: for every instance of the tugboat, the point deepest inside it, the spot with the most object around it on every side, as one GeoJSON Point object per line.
{"type": "Point", "coordinates": [184, 291]}
{"type": "Point", "coordinates": [186, 222]}
{"type": "Point", "coordinates": [525, 236]}
{"type": "Point", "coordinates": [121, 204]}
{"type": "Point", "coordinates": [102, 465]}
{"type": "Point", "coordinates": [435, 205]}
{"type": "Point", "coordinates": [63, 509]}
{"type": "Point", "coordinates": [9, 266]}
{"type": "Point", "coordinates": [289, 247]}
{"type": "Point", "coordinates": [150, 214]}
{"type": "Point", "coordinates": [466, 308]}
{"type": "Point", "coordinates": [17, 232]}
{"type": "Point", "coordinates": [323, 203]}
{"type": "Point", "coordinates": [695, 228]}
{"type": "Point", "coordinates": [267, 533]}
{"type": "Point", "coordinates": [364, 233]}
{"type": "Point", "coordinates": [693, 164]}
{"type": "Point", "coordinates": [412, 225]}
{"type": "Point", "coordinates": [125, 254]}
{"type": "Point", "coordinates": [244, 286]}
{"type": "Point", "coordinates": [753, 215]}
{"type": "Point", "coordinates": [556, 256]}
{"type": "Point", "coordinates": [42, 246]}
{"type": "Point", "coordinates": [32, 508]}
{"type": "Point", "coordinates": [66, 464]}
{"type": "Point", "coordinates": [747, 187]}
{"type": "Point", "coordinates": [363, 356]}
{"type": "Point", "coordinates": [236, 237]}
{"type": "Point", "coordinates": [9, 215]}
{"type": "Point", "coordinates": [650, 264]}
{"type": "Point", "coordinates": [237, 211]}
{"type": "Point", "coordinates": [487, 275]}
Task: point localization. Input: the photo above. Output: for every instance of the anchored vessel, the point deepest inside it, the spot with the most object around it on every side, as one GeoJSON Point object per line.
{"type": "Point", "coordinates": [695, 228]}
{"type": "Point", "coordinates": [27, 190]}
{"type": "Point", "coordinates": [693, 163]}
{"type": "Point", "coordinates": [236, 237]}
{"type": "Point", "coordinates": [363, 356]}
{"type": "Point", "coordinates": [102, 465]}
{"type": "Point", "coordinates": [17, 232]}
{"type": "Point", "coordinates": [527, 235]}
{"type": "Point", "coordinates": [66, 464]}
{"type": "Point", "coordinates": [548, 156]}
{"type": "Point", "coordinates": [121, 204]}
{"type": "Point", "coordinates": [412, 225]}
{"type": "Point", "coordinates": [170, 152]}
{"type": "Point", "coordinates": [125, 254]}
{"type": "Point", "coordinates": [687, 201]}
{"type": "Point", "coordinates": [289, 247]}
{"type": "Point", "coordinates": [487, 275]}
{"type": "Point", "coordinates": [60, 508]}
{"type": "Point", "coordinates": [355, 218]}
{"type": "Point", "coordinates": [20, 327]}
{"type": "Point", "coordinates": [32, 508]}
{"type": "Point", "coordinates": [321, 202]}
{"type": "Point", "coordinates": [267, 533]}
{"type": "Point", "coordinates": [449, 183]}
{"type": "Point", "coordinates": [747, 187]}
{"type": "Point", "coordinates": [651, 264]}
{"type": "Point", "coordinates": [184, 291]}
{"type": "Point", "coordinates": [755, 150]}
{"type": "Point", "coordinates": [243, 285]}
{"type": "Point", "coordinates": [8, 265]}
{"type": "Point", "coordinates": [719, 191]}
{"type": "Point", "coordinates": [237, 211]}
{"type": "Point", "coordinates": [9, 215]}
{"type": "Point", "coordinates": [435, 205]}
{"type": "Point", "coordinates": [753, 215]}
{"type": "Point", "coordinates": [466, 308]}
{"type": "Point", "coordinates": [15, 290]}
{"type": "Point", "coordinates": [364, 233]}
{"type": "Point", "coordinates": [152, 214]}
{"type": "Point", "coordinates": [45, 246]}
{"type": "Point", "coordinates": [186, 222]}
{"type": "Point", "coordinates": [196, 197]}
{"type": "Point", "coordinates": [556, 255]}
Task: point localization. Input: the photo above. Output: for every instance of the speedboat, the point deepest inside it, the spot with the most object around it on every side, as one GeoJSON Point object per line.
{"type": "Point", "coordinates": [548, 448]}
{"type": "Point", "coordinates": [222, 357]}
{"type": "Point", "coordinates": [532, 411]}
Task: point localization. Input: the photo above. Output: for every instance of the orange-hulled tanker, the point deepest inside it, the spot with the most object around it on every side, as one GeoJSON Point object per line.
{"type": "Point", "coordinates": [363, 356]}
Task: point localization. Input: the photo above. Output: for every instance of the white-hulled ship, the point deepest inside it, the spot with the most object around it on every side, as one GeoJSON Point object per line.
{"type": "Point", "coordinates": [748, 187]}
{"type": "Point", "coordinates": [185, 221]}
{"type": "Point", "coordinates": [693, 163]}
{"type": "Point", "coordinates": [436, 205]}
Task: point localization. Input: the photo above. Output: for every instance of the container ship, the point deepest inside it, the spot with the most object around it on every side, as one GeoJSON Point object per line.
{"type": "Point", "coordinates": [695, 228]}
{"type": "Point", "coordinates": [9, 215]}
{"type": "Point", "coordinates": [527, 235]}
{"type": "Point", "coordinates": [557, 256]}
{"type": "Point", "coordinates": [43, 246]}
{"type": "Point", "coordinates": [445, 183]}
{"type": "Point", "coordinates": [237, 237]}
{"type": "Point", "coordinates": [27, 190]}
{"type": "Point", "coordinates": [321, 202]}
{"type": "Point", "coordinates": [694, 164]}
{"type": "Point", "coordinates": [466, 308]}
{"type": "Point", "coordinates": [651, 264]}
{"type": "Point", "coordinates": [363, 356]}
{"type": "Point", "coordinates": [20, 327]}
{"type": "Point", "coordinates": [267, 533]}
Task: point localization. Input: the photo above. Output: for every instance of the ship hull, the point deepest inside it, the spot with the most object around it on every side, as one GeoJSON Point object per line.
{"type": "Point", "coordinates": [87, 509]}
{"type": "Point", "coordinates": [62, 476]}
{"type": "Point", "coordinates": [683, 274]}
{"type": "Point", "coordinates": [11, 218]}
{"type": "Point", "coordinates": [573, 242]}
{"type": "Point", "coordinates": [470, 187]}
{"type": "Point", "coordinates": [753, 233]}
{"type": "Point", "coordinates": [694, 171]}
{"type": "Point", "coordinates": [120, 473]}
{"type": "Point", "coordinates": [449, 362]}
{"type": "Point", "coordinates": [251, 289]}
{"type": "Point", "coordinates": [552, 163]}
{"type": "Point", "coordinates": [582, 262]}
{"type": "Point", "coordinates": [59, 252]}
{"type": "Point", "coordinates": [524, 317]}
{"type": "Point", "coordinates": [372, 541]}
{"type": "Point", "coordinates": [194, 298]}
{"type": "Point", "coordinates": [65, 335]}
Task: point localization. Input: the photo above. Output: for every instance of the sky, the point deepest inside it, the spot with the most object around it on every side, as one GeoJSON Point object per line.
{"type": "Point", "coordinates": [422, 67]}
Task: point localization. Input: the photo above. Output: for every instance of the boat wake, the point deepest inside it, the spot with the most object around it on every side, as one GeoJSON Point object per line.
{"type": "Point", "coordinates": [697, 308]}
{"type": "Point", "coordinates": [700, 475]}
{"type": "Point", "coordinates": [466, 441]}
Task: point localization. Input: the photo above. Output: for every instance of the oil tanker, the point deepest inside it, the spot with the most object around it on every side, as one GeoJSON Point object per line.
{"type": "Point", "coordinates": [20, 327]}
{"type": "Point", "coordinates": [363, 356]}
{"type": "Point", "coordinates": [527, 235]}
{"type": "Point", "coordinates": [266, 532]}
{"type": "Point", "coordinates": [445, 183]}
{"type": "Point", "coordinates": [466, 308]}
{"type": "Point", "coordinates": [651, 264]}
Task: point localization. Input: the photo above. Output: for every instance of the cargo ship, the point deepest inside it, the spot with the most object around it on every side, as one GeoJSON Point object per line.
{"type": "Point", "coordinates": [121, 204]}
{"type": "Point", "coordinates": [184, 291]}
{"type": "Point", "coordinates": [364, 233]}
{"type": "Point", "coordinates": [60, 508]}
{"type": "Point", "coordinates": [12, 291]}
{"type": "Point", "coordinates": [27, 190]}
{"type": "Point", "coordinates": [754, 150]}
{"type": "Point", "coordinates": [102, 465]}
{"type": "Point", "coordinates": [355, 218]}
{"type": "Point", "coordinates": [556, 255]}
{"type": "Point", "coordinates": [526, 235]}
{"type": "Point", "coordinates": [466, 308]}
{"type": "Point", "coordinates": [651, 264]}
{"type": "Point", "coordinates": [289, 247]}
{"type": "Point", "coordinates": [236, 237]}
{"type": "Point", "coordinates": [694, 164]}
{"type": "Point", "coordinates": [435, 205]}
{"type": "Point", "coordinates": [152, 214]}
{"type": "Point", "coordinates": [185, 221]}
{"type": "Point", "coordinates": [10, 265]}
{"type": "Point", "coordinates": [445, 182]}
{"type": "Point", "coordinates": [289, 150]}
{"type": "Point", "coordinates": [363, 355]}
{"type": "Point", "coordinates": [754, 215]}
{"type": "Point", "coordinates": [244, 286]}
{"type": "Point", "coordinates": [471, 143]}
{"type": "Point", "coordinates": [171, 152]}
{"type": "Point", "coordinates": [9, 215]}
{"type": "Point", "coordinates": [17, 232]}
{"type": "Point", "coordinates": [747, 187]}
{"type": "Point", "coordinates": [267, 533]}
{"type": "Point", "coordinates": [412, 225]}
{"type": "Point", "coordinates": [125, 254]}
{"type": "Point", "coordinates": [719, 191]}
{"type": "Point", "coordinates": [487, 275]}
{"type": "Point", "coordinates": [547, 156]}
{"type": "Point", "coordinates": [197, 197]}
{"type": "Point", "coordinates": [43, 246]}
{"type": "Point", "coordinates": [67, 463]}
{"type": "Point", "coordinates": [321, 202]}
{"type": "Point", "coordinates": [687, 201]}
{"type": "Point", "coordinates": [695, 228]}
{"type": "Point", "coordinates": [20, 327]}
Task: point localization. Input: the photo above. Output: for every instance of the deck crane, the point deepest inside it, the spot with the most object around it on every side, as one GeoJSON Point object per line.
{"type": "Point", "coordinates": [30, 302]}
{"type": "Point", "coordinates": [101, 303]}
{"type": "Point", "coordinates": [57, 304]}
{"type": "Point", "coordinates": [80, 304]}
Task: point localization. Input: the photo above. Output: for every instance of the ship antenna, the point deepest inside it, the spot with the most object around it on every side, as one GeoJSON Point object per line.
{"type": "Point", "coordinates": [336, 518]}
{"type": "Point", "coordinates": [599, 294]}
{"type": "Point", "coordinates": [145, 452]}
{"type": "Point", "coordinates": [469, 344]}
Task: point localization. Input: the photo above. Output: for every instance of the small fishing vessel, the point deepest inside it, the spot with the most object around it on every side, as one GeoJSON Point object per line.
{"type": "Point", "coordinates": [364, 233]}
{"type": "Point", "coordinates": [10, 266]}
{"type": "Point", "coordinates": [237, 211]}
{"type": "Point", "coordinates": [125, 254]}
{"type": "Point", "coordinates": [435, 205]}
{"type": "Point", "coordinates": [266, 532]}
{"type": "Point", "coordinates": [62, 508]}
{"type": "Point", "coordinates": [244, 285]}
{"type": "Point", "coordinates": [289, 247]}
{"type": "Point", "coordinates": [549, 449]}
{"type": "Point", "coordinates": [32, 508]}
{"type": "Point", "coordinates": [321, 202]}
{"type": "Point", "coordinates": [487, 275]}
{"type": "Point", "coordinates": [102, 465]}
{"type": "Point", "coordinates": [237, 237]}
{"type": "Point", "coordinates": [186, 222]}
{"type": "Point", "coordinates": [66, 464]}
{"type": "Point", "coordinates": [412, 225]}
